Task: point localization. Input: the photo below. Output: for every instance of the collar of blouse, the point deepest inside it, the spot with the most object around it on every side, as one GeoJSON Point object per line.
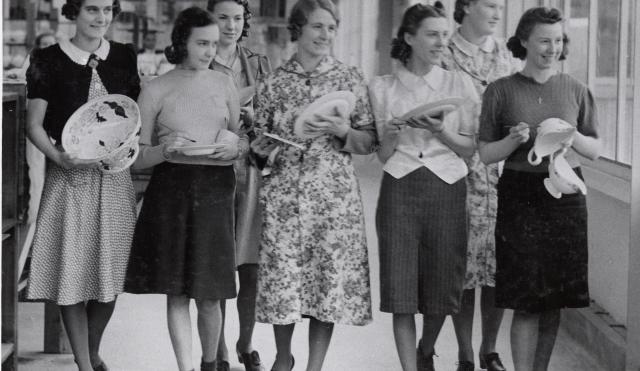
{"type": "Point", "coordinates": [434, 78]}
{"type": "Point", "coordinates": [80, 56]}
{"type": "Point", "coordinates": [326, 64]}
{"type": "Point", "coordinates": [471, 49]}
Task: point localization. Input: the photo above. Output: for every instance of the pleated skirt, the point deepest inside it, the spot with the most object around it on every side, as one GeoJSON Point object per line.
{"type": "Point", "coordinates": [184, 241]}
{"type": "Point", "coordinates": [421, 224]}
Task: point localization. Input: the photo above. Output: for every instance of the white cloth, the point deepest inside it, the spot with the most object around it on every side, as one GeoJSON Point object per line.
{"type": "Point", "coordinates": [80, 56]}
{"type": "Point", "coordinates": [394, 95]}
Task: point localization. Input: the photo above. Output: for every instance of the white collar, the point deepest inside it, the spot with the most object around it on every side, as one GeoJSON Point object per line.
{"type": "Point", "coordinates": [80, 56]}
{"type": "Point", "coordinates": [471, 49]}
{"type": "Point", "coordinates": [412, 81]}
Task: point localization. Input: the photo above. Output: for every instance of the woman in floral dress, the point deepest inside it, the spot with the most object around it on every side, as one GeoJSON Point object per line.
{"type": "Point", "coordinates": [474, 51]}
{"type": "Point", "coordinates": [313, 257]}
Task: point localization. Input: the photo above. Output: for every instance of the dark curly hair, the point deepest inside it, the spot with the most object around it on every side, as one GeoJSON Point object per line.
{"type": "Point", "coordinates": [411, 21]}
{"type": "Point", "coordinates": [71, 9]}
{"type": "Point", "coordinates": [528, 21]}
{"type": "Point", "coordinates": [211, 5]}
{"type": "Point", "coordinates": [300, 14]}
{"type": "Point", "coordinates": [187, 20]}
{"type": "Point", "coordinates": [458, 11]}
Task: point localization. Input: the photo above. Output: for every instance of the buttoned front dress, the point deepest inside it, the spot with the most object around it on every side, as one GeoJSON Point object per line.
{"type": "Point", "coordinates": [484, 64]}
{"type": "Point", "coordinates": [313, 252]}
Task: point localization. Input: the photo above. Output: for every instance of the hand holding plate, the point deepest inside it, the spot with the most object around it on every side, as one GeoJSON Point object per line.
{"type": "Point", "coordinates": [433, 123]}
{"type": "Point", "coordinates": [69, 161]}
{"type": "Point", "coordinates": [329, 124]}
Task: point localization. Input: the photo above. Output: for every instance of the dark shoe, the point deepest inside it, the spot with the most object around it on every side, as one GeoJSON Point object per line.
{"type": "Point", "coordinates": [101, 367]}
{"type": "Point", "coordinates": [293, 363]}
{"type": "Point", "coordinates": [251, 361]}
{"type": "Point", "coordinates": [466, 366]}
{"type": "Point", "coordinates": [208, 366]}
{"type": "Point", "coordinates": [424, 363]}
{"type": "Point", "coordinates": [223, 366]}
{"type": "Point", "coordinates": [491, 362]}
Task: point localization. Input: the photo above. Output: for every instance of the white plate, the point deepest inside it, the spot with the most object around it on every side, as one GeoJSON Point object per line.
{"type": "Point", "coordinates": [434, 108]}
{"type": "Point", "coordinates": [197, 150]}
{"type": "Point", "coordinates": [281, 139]}
{"type": "Point", "coordinates": [342, 101]}
{"type": "Point", "coordinates": [120, 159]}
{"type": "Point", "coordinates": [101, 126]}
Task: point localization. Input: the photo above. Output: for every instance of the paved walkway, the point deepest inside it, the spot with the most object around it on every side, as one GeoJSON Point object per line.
{"type": "Point", "coordinates": [137, 338]}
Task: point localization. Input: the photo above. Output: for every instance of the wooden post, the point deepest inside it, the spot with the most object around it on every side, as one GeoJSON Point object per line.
{"type": "Point", "coordinates": [55, 338]}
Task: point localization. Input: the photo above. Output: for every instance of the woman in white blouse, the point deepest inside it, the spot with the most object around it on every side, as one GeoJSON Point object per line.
{"type": "Point", "coordinates": [421, 210]}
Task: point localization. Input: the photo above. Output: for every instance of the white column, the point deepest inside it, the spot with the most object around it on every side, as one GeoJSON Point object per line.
{"type": "Point", "coordinates": [633, 296]}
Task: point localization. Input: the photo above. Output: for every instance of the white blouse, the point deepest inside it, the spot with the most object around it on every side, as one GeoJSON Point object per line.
{"type": "Point", "coordinates": [394, 95]}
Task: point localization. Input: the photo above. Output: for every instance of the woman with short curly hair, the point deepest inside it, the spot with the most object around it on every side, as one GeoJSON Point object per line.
{"type": "Point", "coordinates": [541, 241]}
{"type": "Point", "coordinates": [183, 245]}
{"type": "Point", "coordinates": [475, 51]}
{"type": "Point", "coordinates": [246, 68]}
{"type": "Point", "coordinates": [86, 218]}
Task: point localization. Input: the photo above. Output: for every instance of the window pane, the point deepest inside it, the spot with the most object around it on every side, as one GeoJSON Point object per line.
{"type": "Point", "coordinates": [577, 28]}
{"type": "Point", "coordinates": [607, 73]}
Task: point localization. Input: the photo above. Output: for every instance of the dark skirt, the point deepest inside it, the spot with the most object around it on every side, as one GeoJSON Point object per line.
{"type": "Point", "coordinates": [183, 242]}
{"type": "Point", "coordinates": [422, 240]}
{"type": "Point", "coordinates": [541, 246]}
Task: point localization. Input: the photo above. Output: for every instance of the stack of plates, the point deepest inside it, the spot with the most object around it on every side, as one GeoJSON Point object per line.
{"type": "Point", "coordinates": [104, 129]}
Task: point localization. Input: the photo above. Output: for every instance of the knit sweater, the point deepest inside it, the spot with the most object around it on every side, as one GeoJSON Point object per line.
{"type": "Point", "coordinates": [184, 101]}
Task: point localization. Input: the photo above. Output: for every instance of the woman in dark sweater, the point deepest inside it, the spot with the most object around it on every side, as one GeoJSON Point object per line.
{"type": "Point", "coordinates": [86, 217]}
{"type": "Point", "coordinates": [541, 241]}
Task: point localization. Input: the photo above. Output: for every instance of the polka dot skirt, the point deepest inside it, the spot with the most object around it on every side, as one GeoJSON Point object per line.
{"type": "Point", "coordinates": [83, 233]}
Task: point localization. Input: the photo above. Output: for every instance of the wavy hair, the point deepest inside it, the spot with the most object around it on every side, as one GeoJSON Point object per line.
{"type": "Point", "coordinates": [186, 21]}
{"type": "Point", "coordinates": [458, 11]}
{"type": "Point", "coordinates": [71, 9]}
{"type": "Point", "coordinates": [411, 21]}
{"type": "Point", "coordinates": [529, 20]}
{"type": "Point", "coordinates": [211, 5]}
{"type": "Point", "coordinates": [301, 11]}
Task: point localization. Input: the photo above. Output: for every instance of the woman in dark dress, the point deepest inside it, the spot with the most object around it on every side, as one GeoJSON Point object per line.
{"type": "Point", "coordinates": [246, 67]}
{"type": "Point", "coordinates": [86, 217]}
{"type": "Point", "coordinates": [541, 241]}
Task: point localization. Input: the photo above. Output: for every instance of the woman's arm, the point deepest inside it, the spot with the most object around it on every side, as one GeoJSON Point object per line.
{"type": "Point", "coordinates": [389, 141]}
{"type": "Point", "coordinates": [587, 146]}
{"type": "Point", "coordinates": [492, 152]}
{"type": "Point", "coordinates": [36, 109]}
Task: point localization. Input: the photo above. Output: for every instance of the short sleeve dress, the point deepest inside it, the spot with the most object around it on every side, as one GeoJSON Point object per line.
{"type": "Point", "coordinates": [541, 241]}
{"type": "Point", "coordinates": [86, 217]}
{"type": "Point", "coordinates": [313, 251]}
{"type": "Point", "coordinates": [484, 64]}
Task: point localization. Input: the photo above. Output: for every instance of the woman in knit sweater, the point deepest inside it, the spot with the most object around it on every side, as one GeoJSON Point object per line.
{"type": "Point", "coordinates": [541, 241]}
{"type": "Point", "coordinates": [183, 244]}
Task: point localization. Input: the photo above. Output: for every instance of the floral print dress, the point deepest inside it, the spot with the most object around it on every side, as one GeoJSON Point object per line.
{"type": "Point", "coordinates": [313, 254]}
{"type": "Point", "coordinates": [484, 64]}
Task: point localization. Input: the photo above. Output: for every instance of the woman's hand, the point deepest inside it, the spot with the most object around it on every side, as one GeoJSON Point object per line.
{"type": "Point", "coordinates": [519, 133]}
{"type": "Point", "coordinates": [325, 124]}
{"type": "Point", "coordinates": [172, 142]}
{"type": "Point", "coordinates": [434, 124]}
{"type": "Point", "coordinates": [392, 130]}
{"type": "Point", "coordinates": [246, 114]}
{"type": "Point", "coordinates": [69, 161]}
{"type": "Point", "coordinates": [263, 146]}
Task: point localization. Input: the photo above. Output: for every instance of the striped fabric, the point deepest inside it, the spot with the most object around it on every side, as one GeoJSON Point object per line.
{"type": "Point", "coordinates": [422, 238]}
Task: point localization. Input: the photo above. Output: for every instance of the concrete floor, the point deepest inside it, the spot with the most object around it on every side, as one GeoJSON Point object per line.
{"type": "Point", "coordinates": [137, 338]}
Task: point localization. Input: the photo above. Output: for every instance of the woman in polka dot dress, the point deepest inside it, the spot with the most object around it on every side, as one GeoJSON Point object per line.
{"type": "Point", "coordinates": [86, 218]}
